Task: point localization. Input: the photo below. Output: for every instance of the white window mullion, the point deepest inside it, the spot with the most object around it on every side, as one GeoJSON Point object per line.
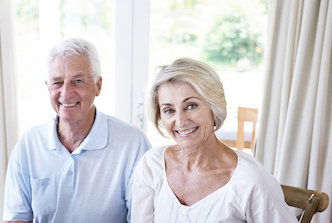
{"type": "Point", "coordinates": [131, 59]}
{"type": "Point", "coordinates": [123, 58]}
{"type": "Point", "coordinates": [140, 76]}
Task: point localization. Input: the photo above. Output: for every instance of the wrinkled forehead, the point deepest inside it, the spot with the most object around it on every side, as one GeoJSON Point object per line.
{"type": "Point", "coordinates": [176, 91]}
{"type": "Point", "coordinates": [70, 61]}
{"type": "Point", "coordinates": [73, 65]}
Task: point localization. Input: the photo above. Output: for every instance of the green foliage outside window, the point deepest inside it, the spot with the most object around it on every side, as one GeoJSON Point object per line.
{"type": "Point", "coordinates": [222, 32]}
{"type": "Point", "coordinates": [232, 38]}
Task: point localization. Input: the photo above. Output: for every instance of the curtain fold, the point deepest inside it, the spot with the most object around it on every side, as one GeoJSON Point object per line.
{"type": "Point", "coordinates": [3, 141]}
{"type": "Point", "coordinates": [8, 107]}
{"type": "Point", "coordinates": [294, 137]}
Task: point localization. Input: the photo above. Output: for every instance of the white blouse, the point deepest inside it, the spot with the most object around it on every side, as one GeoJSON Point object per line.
{"type": "Point", "coordinates": [251, 195]}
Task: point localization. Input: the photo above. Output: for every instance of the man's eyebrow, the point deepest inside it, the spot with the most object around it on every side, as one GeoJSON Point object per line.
{"type": "Point", "coordinates": [78, 75]}
{"type": "Point", "coordinates": [56, 78]}
{"type": "Point", "coordinates": [60, 78]}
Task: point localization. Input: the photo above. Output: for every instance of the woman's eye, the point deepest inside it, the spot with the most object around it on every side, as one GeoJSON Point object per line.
{"type": "Point", "coordinates": [192, 106]}
{"type": "Point", "coordinates": [168, 111]}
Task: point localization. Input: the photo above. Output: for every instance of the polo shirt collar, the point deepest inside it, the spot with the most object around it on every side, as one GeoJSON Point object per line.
{"type": "Point", "coordinates": [96, 139]}
{"type": "Point", "coordinates": [98, 135]}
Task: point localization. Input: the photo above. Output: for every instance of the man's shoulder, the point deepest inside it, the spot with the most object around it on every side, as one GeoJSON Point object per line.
{"type": "Point", "coordinates": [118, 125]}
{"type": "Point", "coordinates": [38, 130]}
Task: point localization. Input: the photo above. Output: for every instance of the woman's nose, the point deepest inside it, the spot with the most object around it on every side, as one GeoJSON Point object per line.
{"type": "Point", "coordinates": [181, 118]}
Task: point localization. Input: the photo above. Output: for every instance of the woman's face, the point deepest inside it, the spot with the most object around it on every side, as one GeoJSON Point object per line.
{"type": "Point", "coordinates": [185, 114]}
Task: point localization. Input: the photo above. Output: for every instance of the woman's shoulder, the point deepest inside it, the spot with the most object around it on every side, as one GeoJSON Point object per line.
{"type": "Point", "coordinates": [155, 152]}
{"type": "Point", "coordinates": [153, 158]}
{"type": "Point", "coordinates": [151, 167]}
{"type": "Point", "coordinates": [248, 162]}
{"type": "Point", "coordinates": [251, 173]}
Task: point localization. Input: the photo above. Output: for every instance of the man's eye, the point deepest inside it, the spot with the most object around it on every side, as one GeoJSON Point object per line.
{"type": "Point", "coordinates": [78, 81]}
{"type": "Point", "coordinates": [57, 83]}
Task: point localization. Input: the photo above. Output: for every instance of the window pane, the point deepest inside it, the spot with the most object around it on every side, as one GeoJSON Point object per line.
{"type": "Point", "coordinates": [227, 34]}
{"type": "Point", "coordinates": [92, 20]}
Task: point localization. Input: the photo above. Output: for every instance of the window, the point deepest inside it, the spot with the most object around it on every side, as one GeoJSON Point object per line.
{"type": "Point", "coordinates": [38, 25]}
{"type": "Point", "coordinates": [227, 34]}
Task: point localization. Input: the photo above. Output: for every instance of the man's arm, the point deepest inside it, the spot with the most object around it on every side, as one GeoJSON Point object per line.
{"type": "Point", "coordinates": [18, 221]}
{"type": "Point", "coordinates": [17, 191]}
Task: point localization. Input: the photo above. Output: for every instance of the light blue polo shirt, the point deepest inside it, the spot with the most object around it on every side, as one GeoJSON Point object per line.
{"type": "Point", "coordinates": [92, 184]}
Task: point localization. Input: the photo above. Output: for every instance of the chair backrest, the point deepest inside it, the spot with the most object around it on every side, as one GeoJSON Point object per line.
{"type": "Point", "coordinates": [245, 115]}
{"type": "Point", "coordinates": [310, 201]}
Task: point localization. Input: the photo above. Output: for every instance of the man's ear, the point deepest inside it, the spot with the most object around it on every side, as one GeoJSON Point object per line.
{"type": "Point", "coordinates": [99, 84]}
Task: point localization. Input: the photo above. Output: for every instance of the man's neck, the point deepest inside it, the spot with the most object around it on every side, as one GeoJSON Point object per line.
{"type": "Point", "coordinates": [72, 134]}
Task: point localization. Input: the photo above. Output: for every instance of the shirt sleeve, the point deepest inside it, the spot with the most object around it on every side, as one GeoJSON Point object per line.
{"type": "Point", "coordinates": [144, 146]}
{"type": "Point", "coordinates": [17, 200]}
{"type": "Point", "coordinates": [143, 194]}
{"type": "Point", "coordinates": [267, 204]}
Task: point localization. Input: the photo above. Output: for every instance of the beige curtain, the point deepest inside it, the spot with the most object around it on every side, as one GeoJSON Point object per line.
{"type": "Point", "coordinates": [8, 123]}
{"type": "Point", "coordinates": [294, 137]}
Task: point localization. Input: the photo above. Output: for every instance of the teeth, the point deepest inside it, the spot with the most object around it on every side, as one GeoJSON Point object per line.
{"type": "Point", "coordinates": [187, 132]}
{"type": "Point", "coordinates": [69, 105]}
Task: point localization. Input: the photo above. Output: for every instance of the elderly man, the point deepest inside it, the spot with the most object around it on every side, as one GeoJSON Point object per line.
{"type": "Point", "coordinates": [78, 167]}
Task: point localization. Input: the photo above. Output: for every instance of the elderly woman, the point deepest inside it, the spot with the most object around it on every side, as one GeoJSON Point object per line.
{"type": "Point", "coordinates": [199, 179]}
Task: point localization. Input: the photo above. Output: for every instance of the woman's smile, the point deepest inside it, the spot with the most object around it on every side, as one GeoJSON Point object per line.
{"type": "Point", "coordinates": [186, 132]}
{"type": "Point", "coordinates": [69, 105]}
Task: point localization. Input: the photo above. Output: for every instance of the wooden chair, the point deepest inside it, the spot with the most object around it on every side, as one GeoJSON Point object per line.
{"type": "Point", "coordinates": [310, 201]}
{"type": "Point", "coordinates": [246, 115]}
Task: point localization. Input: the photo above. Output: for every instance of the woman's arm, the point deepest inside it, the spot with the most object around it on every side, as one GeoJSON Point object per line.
{"type": "Point", "coordinates": [142, 209]}
{"type": "Point", "coordinates": [267, 204]}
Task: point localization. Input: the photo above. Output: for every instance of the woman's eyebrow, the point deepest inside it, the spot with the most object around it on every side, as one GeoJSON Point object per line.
{"type": "Point", "coordinates": [165, 104]}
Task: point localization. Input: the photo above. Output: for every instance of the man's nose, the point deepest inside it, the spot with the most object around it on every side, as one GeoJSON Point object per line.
{"type": "Point", "coordinates": [66, 90]}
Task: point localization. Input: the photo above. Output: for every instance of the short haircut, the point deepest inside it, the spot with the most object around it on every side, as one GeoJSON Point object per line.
{"type": "Point", "coordinates": [75, 47]}
{"type": "Point", "coordinates": [201, 77]}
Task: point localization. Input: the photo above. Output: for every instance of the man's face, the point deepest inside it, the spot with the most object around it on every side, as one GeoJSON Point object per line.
{"type": "Point", "coordinates": [72, 89]}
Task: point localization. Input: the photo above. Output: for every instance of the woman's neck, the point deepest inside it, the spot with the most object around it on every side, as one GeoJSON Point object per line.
{"type": "Point", "coordinates": [200, 157]}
